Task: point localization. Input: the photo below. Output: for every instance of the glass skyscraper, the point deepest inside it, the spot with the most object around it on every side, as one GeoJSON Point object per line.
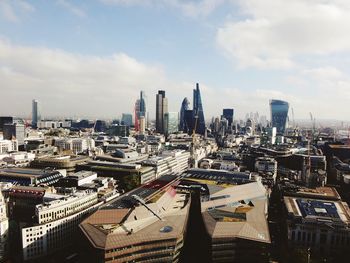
{"type": "Point", "coordinates": [198, 111]}
{"type": "Point", "coordinates": [161, 109]}
{"type": "Point", "coordinates": [140, 111]}
{"type": "Point", "coordinates": [279, 114]}
{"type": "Point", "coordinates": [228, 115]}
{"type": "Point", "coordinates": [35, 113]}
{"type": "Point", "coordinates": [171, 122]}
{"type": "Point", "coordinates": [184, 107]}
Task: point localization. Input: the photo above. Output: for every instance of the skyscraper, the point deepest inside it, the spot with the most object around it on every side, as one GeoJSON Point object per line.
{"type": "Point", "coordinates": [127, 119]}
{"type": "Point", "coordinates": [184, 107]}
{"type": "Point", "coordinates": [171, 122]}
{"type": "Point", "coordinates": [198, 110]}
{"type": "Point", "coordinates": [228, 115]}
{"type": "Point", "coordinates": [35, 113]}
{"type": "Point", "coordinates": [141, 111]}
{"type": "Point", "coordinates": [279, 114]}
{"type": "Point", "coordinates": [161, 109]}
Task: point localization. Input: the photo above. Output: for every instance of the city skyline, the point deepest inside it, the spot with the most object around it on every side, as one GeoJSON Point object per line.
{"type": "Point", "coordinates": [241, 52]}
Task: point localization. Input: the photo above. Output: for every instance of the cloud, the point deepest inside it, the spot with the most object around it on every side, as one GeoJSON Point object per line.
{"type": "Point", "coordinates": [72, 8]}
{"type": "Point", "coordinates": [68, 84]}
{"type": "Point", "coordinates": [188, 8]}
{"type": "Point", "coordinates": [273, 33]}
{"type": "Point", "coordinates": [11, 10]}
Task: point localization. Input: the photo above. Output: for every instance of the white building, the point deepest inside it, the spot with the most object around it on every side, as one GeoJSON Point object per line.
{"type": "Point", "coordinates": [76, 145]}
{"type": "Point", "coordinates": [8, 146]}
{"type": "Point", "coordinates": [57, 221]}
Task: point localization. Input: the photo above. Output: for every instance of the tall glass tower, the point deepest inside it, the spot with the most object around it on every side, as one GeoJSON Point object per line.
{"type": "Point", "coordinates": [279, 114]}
{"type": "Point", "coordinates": [184, 107]}
{"type": "Point", "coordinates": [228, 115]}
{"type": "Point", "coordinates": [198, 110]}
{"type": "Point", "coordinates": [35, 113]}
{"type": "Point", "coordinates": [161, 109]}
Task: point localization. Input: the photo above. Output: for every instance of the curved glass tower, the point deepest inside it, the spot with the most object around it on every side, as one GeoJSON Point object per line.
{"type": "Point", "coordinates": [184, 107]}
{"type": "Point", "coordinates": [198, 110]}
{"type": "Point", "coordinates": [279, 114]}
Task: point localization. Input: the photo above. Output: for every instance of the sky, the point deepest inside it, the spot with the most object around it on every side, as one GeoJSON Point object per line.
{"type": "Point", "coordinates": [91, 58]}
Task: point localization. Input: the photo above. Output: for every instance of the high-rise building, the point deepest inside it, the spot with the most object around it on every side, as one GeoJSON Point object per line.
{"type": "Point", "coordinates": [4, 120]}
{"type": "Point", "coordinates": [228, 115]}
{"type": "Point", "coordinates": [127, 119]}
{"type": "Point", "coordinates": [14, 130]}
{"type": "Point", "coordinates": [279, 114]}
{"type": "Point", "coordinates": [161, 109]}
{"type": "Point", "coordinates": [142, 122]}
{"type": "Point", "coordinates": [184, 106]}
{"type": "Point", "coordinates": [35, 113]}
{"type": "Point", "coordinates": [171, 122]}
{"type": "Point", "coordinates": [140, 111]}
{"type": "Point", "coordinates": [189, 121]}
{"type": "Point", "coordinates": [198, 111]}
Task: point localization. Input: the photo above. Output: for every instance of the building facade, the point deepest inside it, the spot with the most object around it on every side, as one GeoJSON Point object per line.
{"type": "Point", "coordinates": [184, 107]}
{"type": "Point", "coordinates": [279, 114]}
{"type": "Point", "coordinates": [35, 113]}
{"type": "Point", "coordinates": [161, 110]}
{"type": "Point", "coordinates": [171, 122]}
{"type": "Point", "coordinates": [198, 112]}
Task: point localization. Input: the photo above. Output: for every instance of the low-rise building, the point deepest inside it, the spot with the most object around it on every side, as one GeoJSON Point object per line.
{"type": "Point", "coordinates": [317, 220]}
{"type": "Point", "coordinates": [57, 220]}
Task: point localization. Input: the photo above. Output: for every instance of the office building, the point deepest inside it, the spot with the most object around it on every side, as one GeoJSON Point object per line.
{"type": "Point", "coordinates": [126, 119]}
{"type": "Point", "coordinates": [161, 110]}
{"type": "Point", "coordinates": [152, 232]}
{"type": "Point", "coordinates": [142, 122]}
{"type": "Point", "coordinates": [75, 145]}
{"type": "Point", "coordinates": [317, 220]}
{"type": "Point", "coordinates": [33, 177]}
{"type": "Point", "coordinates": [14, 131]}
{"type": "Point", "coordinates": [56, 222]}
{"type": "Point", "coordinates": [140, 111]}
{"type": "Point", "coordinates": [228, 115]}
{"type": "Point", "coordinates": [188, 121]}
{"type": "Point", "coordinates": [4, 120]}
{"type": "Point", "coordinates": [238, 230]}
{"type": "Point", "coordinates": [171, 123]}
{"type": "Point", "coordinates": [35, 113]}
{"type": "Point", "coordinates": [100, 126]}
{"type": "Point", "coordinates": [65, 162]}
{"type": "Point", "coordinates": [8, 146]}
{"type": "Point", "coordinates": [198, 112]}
{"type": "Point", "coordinates": [184, 107]}
{"type": "Point", "coordinates": [279, 115]}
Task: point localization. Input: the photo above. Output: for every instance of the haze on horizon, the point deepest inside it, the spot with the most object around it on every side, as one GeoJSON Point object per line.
{"type": "Point", "coordinates": [92, 58]}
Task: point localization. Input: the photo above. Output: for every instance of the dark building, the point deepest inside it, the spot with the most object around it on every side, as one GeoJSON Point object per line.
{"type": "Point", "coordinates": [184, 107]}
{"type": "Point", "coordinates": [188, 121]}
{"type": "Point", "coordinates": [100, 126]}
{"type": "Point", "coordinates": [228, 115]}
{"type": "Point", "coordinates": [279, 114]}
{"type": "Point", "coordinates": [16, 130]}
{"type": "Point", "coordinates": [29, 177]}
{"type": "Point", "coordinates": [119, 130]}
{"type": "Point", "coordinates": [198, 111]}
{"type": "Point", "coordinates": [4, 120]}
{"type": "Point", "coordinates": [161, 109]}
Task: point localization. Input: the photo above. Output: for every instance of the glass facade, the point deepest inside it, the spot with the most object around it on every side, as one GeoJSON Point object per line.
{"type": "Point", "coordinates": [184, 107]}
{"type": "Point", "coordinates": [279, 114]}
{"type": "Point", "coordinates": [198, 111]}
{"type": "Point", "coordinates": [228, 115]}
{"type": "Point", "coordinates": [171, 122]}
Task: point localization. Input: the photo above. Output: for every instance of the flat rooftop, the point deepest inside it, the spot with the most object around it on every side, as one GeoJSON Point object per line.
{"type": "Point", "coordinates": [25, 172]}
{"type": "Point", "coordinates": [318, 210]}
